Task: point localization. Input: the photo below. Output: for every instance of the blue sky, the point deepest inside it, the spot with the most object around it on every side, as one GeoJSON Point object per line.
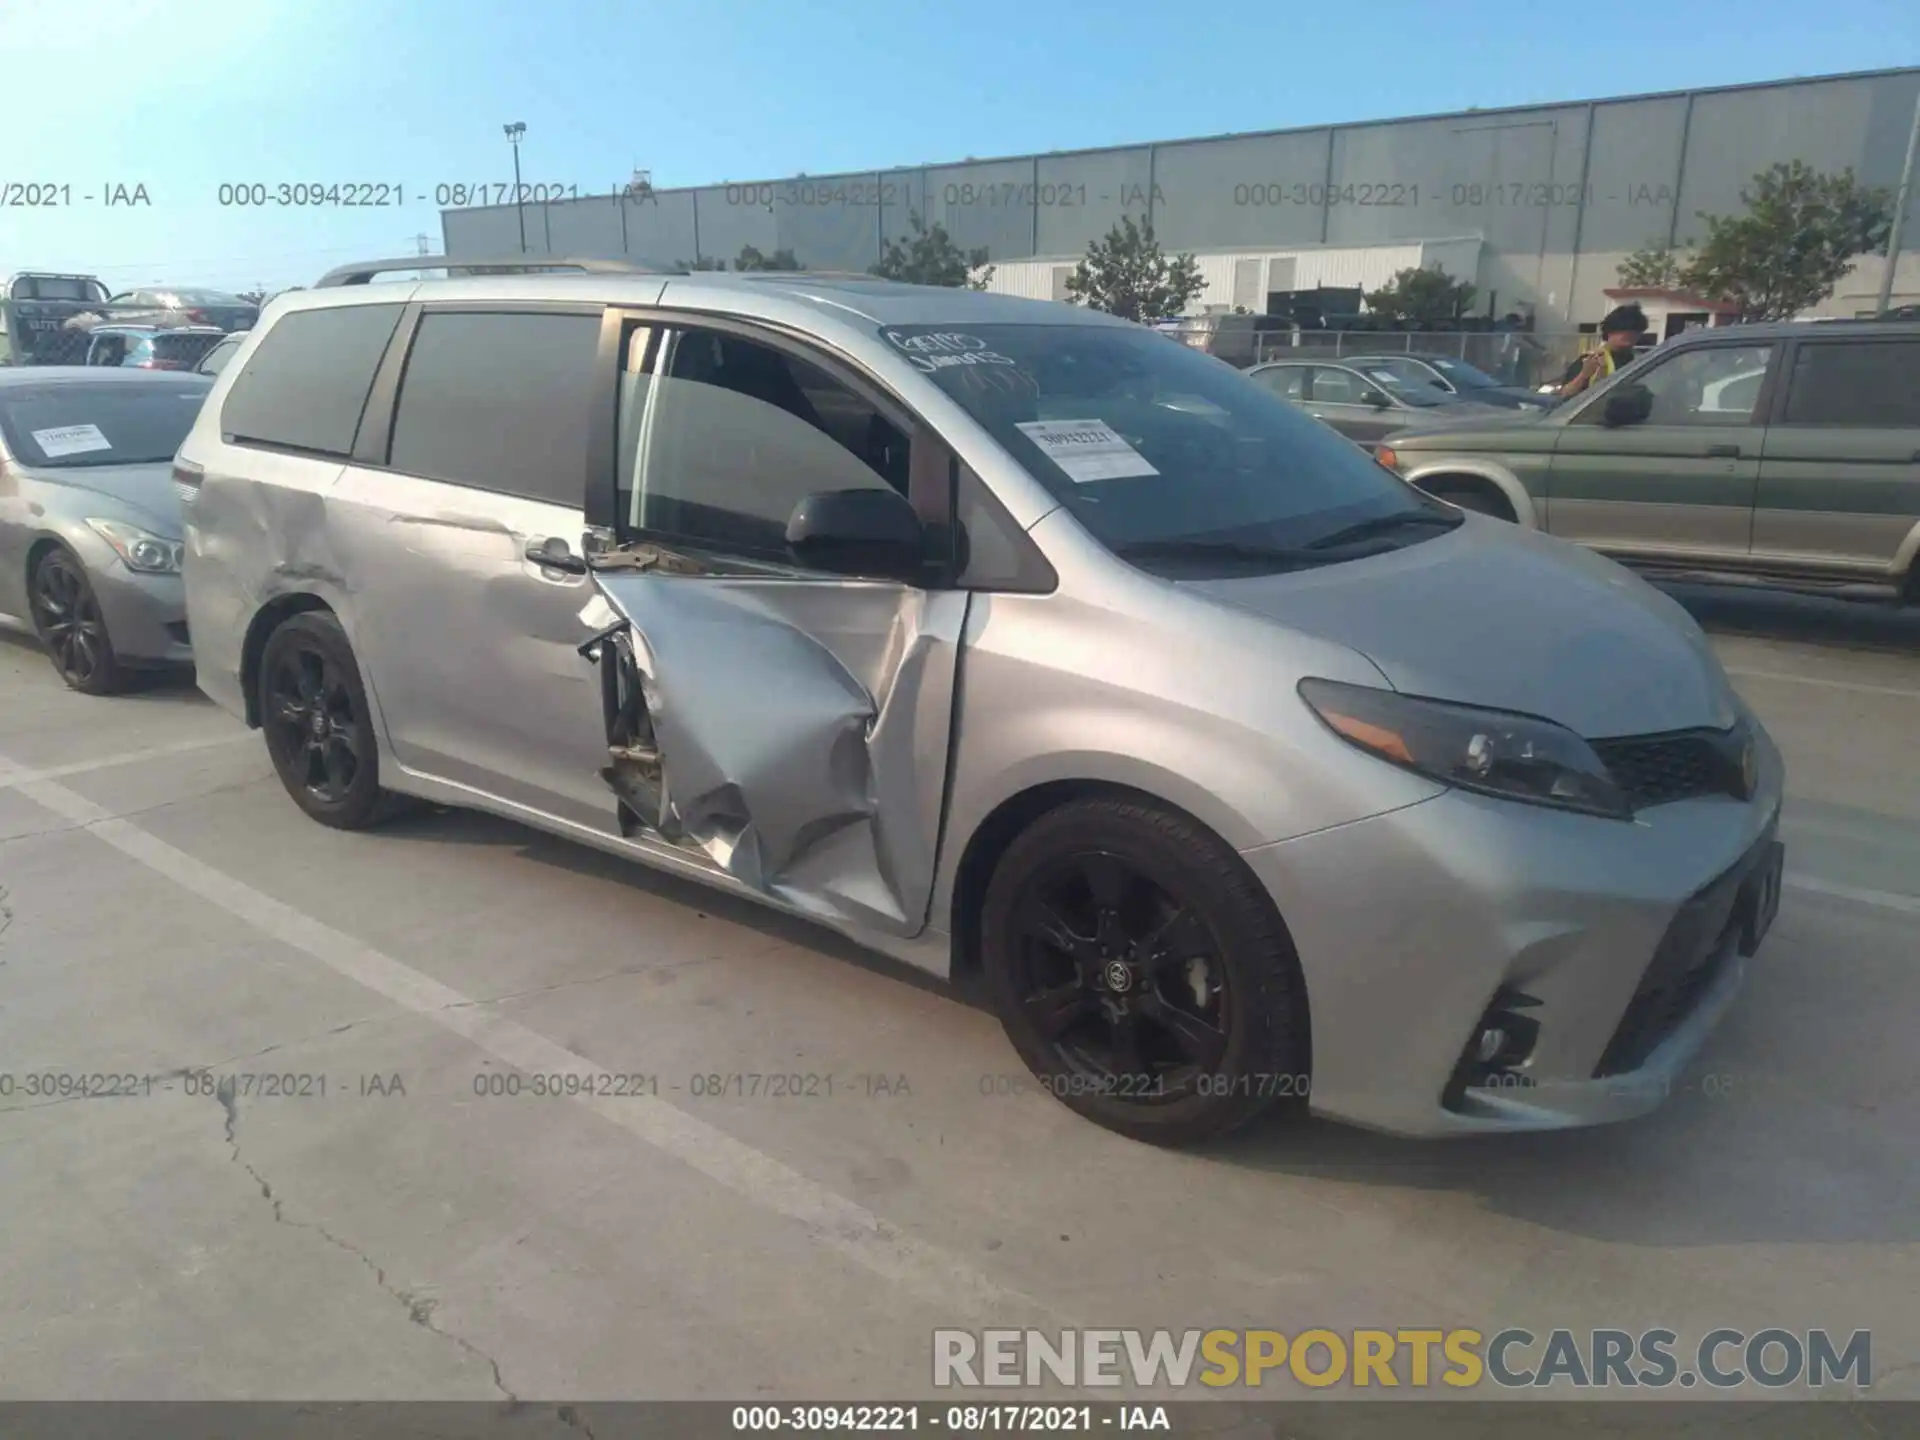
{"type": "Point", "coordinates": [200, 92]}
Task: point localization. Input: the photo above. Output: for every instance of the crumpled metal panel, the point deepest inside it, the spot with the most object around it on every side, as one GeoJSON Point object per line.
{"type": "Point", "coordinates": [251, 541]}
{"type": "Point", "coordinates": [800, 730]}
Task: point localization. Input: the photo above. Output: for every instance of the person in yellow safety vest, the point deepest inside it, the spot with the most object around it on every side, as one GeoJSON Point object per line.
{"type": "Point", "coordinates": [1619, 332]}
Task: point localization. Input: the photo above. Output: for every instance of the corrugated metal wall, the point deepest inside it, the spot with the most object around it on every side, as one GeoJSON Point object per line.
{"type": "Point", "coordinates": [1558, 194]}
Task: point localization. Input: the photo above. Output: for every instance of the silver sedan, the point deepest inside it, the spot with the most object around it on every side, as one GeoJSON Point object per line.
{"type": "Point", "coordinates": [89, 520]}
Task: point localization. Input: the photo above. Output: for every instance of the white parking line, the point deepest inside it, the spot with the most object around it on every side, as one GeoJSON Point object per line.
{"type": "Point", "coordinates": [1880, 899]}
{"type": "Point", "coordinates": [14, 776]}
{"type": "Point", "coordinates": [830, 1219]}
{"type": "Point", "coordinates": [1826, 684]}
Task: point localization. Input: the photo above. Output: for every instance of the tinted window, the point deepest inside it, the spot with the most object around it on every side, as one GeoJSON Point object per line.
{"type": "Point", "coordinates": [80, 423]}
{"type": "Point", "coordinates": [739, 433]}
{"type": "Point", "coordinates": [1145, 441]}
{"type": "Point", "coordinates": [307, 381]}
{"type": "Point", "coordinates": [1287, 380]}
{"type": "Point", "coordinates": [1862, 384]}
{"type": "Point", "coordinates": [499, 402]}
{"type": "Point", "coordinates": [1340, 387]}
{"type": "Point", "coordinates": [1717, 385]}
{"type": "Point", "coordinates": [46, 287]}
{"type": "Point", "coordinates": [215, 360]}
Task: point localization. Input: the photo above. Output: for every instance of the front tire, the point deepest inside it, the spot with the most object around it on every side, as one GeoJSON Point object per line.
{"type": "Point", "coordinates": [1142, 974]}
{"type": "Point", "coordinates": [67, 618]}
{"type": "Point", "coordinates": [320, 735]}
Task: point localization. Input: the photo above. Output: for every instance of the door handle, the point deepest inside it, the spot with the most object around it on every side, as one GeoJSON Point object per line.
{"type": "Point", "coordinates": [552, 553]}
{"type": "Point", "coordinates": [1724, 452]}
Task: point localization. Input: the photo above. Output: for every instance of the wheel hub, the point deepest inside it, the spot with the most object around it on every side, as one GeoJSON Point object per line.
{"type": "Point", "coordinates": [317, 724]}
{"type": "Point", "coordinates": [1119, 976]}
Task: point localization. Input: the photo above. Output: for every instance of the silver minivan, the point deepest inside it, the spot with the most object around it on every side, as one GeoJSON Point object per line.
{"type": "Point", "coordinates": [1015, 643]}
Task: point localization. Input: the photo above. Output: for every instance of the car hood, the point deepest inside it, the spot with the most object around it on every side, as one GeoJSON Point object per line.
{"type": "Point", "coordinates": [1493, 615]}
{"type": "Point", "coordinates": [144, 490]}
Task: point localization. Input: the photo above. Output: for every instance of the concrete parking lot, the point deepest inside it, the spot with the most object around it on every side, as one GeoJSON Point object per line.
{"type": "Point", "coordinates": [407, 1232]}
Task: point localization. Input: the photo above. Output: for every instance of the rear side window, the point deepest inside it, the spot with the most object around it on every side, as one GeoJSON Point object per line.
{"type": "Point", "coordinates": [500, 402]}
{"type": "Point", "coordinates": [215, 360]}
{"type": "Point", "coordinates": [308, 380]}
{"type": "Point", "coordinates": [1871, 383]}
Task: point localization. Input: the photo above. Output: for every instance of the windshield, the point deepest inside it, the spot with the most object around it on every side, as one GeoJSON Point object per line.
{"type": "Point", "coordinates": [1147, 442]}
{"type": "Point", "coordinates": [205, 297]}
{"type": "Point", "coordinates": [75, 424]}
{"type": "Point", "coordinates": [1462, 375]}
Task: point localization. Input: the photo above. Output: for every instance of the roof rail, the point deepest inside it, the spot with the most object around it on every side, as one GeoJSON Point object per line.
{"type": "Point", "coordinates": [365, 270]}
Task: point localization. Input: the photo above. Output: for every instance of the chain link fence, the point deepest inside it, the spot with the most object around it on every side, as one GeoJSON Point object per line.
{"type": "Point", "coordinates": [58, 329]}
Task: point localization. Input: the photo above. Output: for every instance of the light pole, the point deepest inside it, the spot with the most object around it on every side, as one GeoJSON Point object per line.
{"type": "Point", "coordinates": [1902, 198]}
{"type": "Point", "coordinates": [514, 132]}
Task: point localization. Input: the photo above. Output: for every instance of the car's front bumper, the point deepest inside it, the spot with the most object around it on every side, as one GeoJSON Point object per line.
{"type": "Point", "coordinates": [1411, 925]}
{"type": "Point", "coordinates": [146, 615]}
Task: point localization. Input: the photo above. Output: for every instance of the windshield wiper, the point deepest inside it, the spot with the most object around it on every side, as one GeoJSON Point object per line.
{"type": "Point", "coordinates": [1381, 524]}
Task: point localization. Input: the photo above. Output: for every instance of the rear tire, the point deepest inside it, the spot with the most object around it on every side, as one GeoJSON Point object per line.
{"type": "Point", "coordinates": [72, 630]}
{"type": "Point", "coordinates": [1142, 974]}
{"type": "Point", "coordinates": [319, 731]}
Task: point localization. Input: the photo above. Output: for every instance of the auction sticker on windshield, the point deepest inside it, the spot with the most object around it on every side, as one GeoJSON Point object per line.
{"type": "Point", "coordinates": [1086, 449]}
{"type": "Point", "coordinates": [70, 440]}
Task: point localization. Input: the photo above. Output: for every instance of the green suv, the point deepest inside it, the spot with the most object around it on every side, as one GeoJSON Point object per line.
{"type": "Point", "coordinates": [1784, 455]}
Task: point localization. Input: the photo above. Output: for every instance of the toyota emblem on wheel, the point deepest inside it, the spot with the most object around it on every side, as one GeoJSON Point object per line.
{"type": "Point", "coordinates": [1119, 977]}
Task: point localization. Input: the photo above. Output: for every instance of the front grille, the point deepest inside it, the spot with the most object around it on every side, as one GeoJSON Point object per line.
{"type": "Point", "coordinates": [1697, 944]}
{"type": "Point", "coordinates": [1685, 765]}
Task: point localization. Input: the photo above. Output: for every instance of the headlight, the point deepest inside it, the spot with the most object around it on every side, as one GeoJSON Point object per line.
{"type": "Point", "coordinates": [1495, 752]}
{"type": "Point", "coordinates": [145, 553]}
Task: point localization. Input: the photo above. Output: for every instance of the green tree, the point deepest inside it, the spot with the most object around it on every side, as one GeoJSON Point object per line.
{"type": "Point", "coordinates": [1801, 232]}
{"type": "Point", "coordinates": [1653, 267]}
{"type": "Point", "coordinates": [1421, 293]}
{"type": "Point", "coordinates": [1127, 274]}
{"type": "Point", "coordinates": [929, 257]}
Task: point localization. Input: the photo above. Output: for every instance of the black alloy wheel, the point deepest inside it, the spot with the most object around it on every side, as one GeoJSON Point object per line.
{"type": "Point", "coordinates": [67, 618]}
{"type": "Point", "coordinates": [319, 732]}
{"type": "Point", "coordinates": [1142, 974]}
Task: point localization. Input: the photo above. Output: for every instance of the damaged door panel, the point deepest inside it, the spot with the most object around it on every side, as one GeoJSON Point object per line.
{"type": "Point", "coordinates": [792, 733]}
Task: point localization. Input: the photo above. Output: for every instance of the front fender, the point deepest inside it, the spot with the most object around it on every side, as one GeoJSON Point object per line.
{"type": "Point", "coordinates": [1525, 506]}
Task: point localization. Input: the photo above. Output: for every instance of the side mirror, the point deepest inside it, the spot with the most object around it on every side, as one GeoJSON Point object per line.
{"type": "Point", "coordinates": [1629, 405]}
{"type": "Point", "coordinates": [858, 532]}
{"type": "Point", "coordinates": [1378, 399]}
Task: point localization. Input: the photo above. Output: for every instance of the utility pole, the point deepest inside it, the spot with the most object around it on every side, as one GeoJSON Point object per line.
{"type": "Point", "coordinates": [514, 132]}
{"type": "Point", "coordinates": [1903, 197]}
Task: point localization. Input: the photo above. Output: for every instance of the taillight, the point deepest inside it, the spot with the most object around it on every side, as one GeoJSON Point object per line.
{"type": "Point", "coordinates": [186, 479]}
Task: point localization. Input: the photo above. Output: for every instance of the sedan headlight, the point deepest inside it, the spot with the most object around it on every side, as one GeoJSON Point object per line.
{"type": "Point", "coordinates": [144, 552]}
{"type": "Point", "coordinates": [1494, 752]}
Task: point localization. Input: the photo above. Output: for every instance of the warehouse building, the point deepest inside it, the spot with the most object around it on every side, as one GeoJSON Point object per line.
{"type": "Point", "coordinates": [1536, 206]}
